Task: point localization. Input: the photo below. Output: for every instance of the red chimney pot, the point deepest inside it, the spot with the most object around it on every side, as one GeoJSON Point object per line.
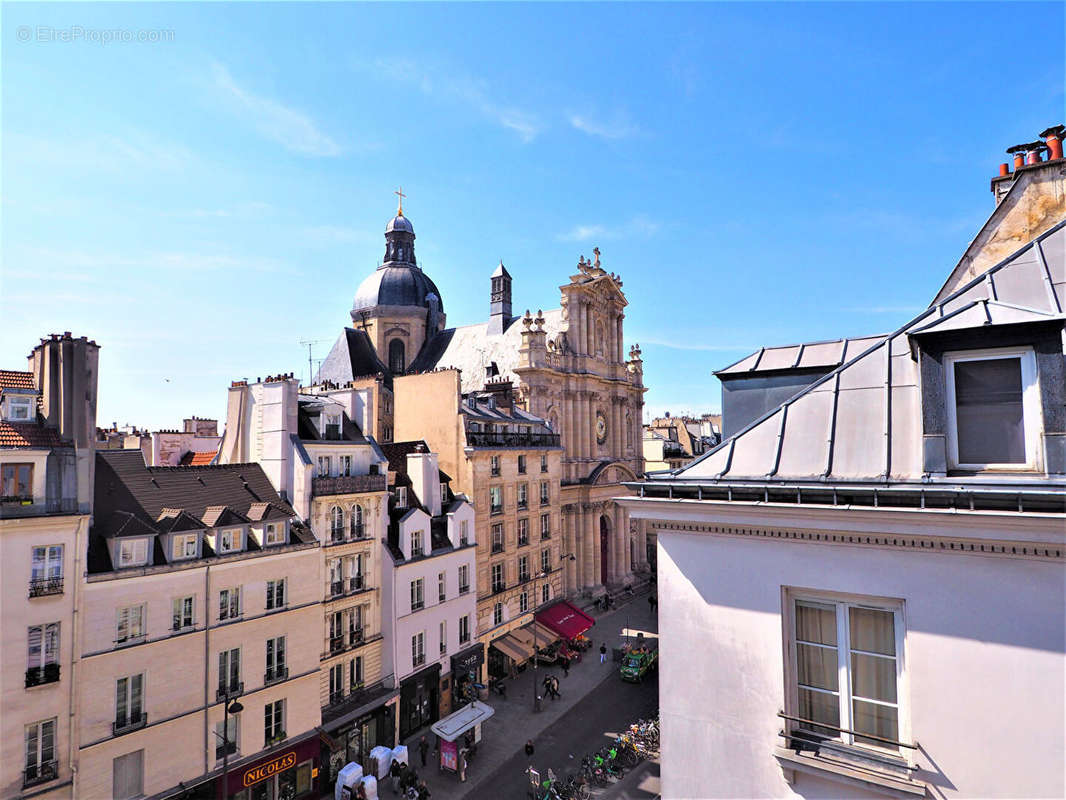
{"type": "Point", "coordinates": [1004, 170]}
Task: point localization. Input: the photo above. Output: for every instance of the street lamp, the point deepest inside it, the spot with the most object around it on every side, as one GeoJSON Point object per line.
{"type": "Point", "coordinates": [229, 708]}
{"type": "Point", "coordinates": [547, 574]}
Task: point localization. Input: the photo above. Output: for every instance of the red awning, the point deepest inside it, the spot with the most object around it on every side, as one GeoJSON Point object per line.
{"type": "Point", "coordinates": [565, 619]}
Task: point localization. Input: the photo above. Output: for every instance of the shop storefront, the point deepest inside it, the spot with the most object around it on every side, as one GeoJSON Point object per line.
{"type": "Point", "coordinates": [353, 741]}
{"type": "Point", "coordinates": [288, 773]}
{"type": "Point", "coordinates": [466, 669]}
{"type": "Point", "coordinates": [419, 700]}
{"type": "Point", "coordinates": [566, 620]}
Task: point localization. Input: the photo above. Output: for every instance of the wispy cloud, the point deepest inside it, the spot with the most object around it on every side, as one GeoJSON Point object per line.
{"type": "Point", "coordinates": [617, 127]}
{"type": "Point", "coordinates": [465, 90]}
{"type": "Point", "coordinates": [129, 153]}
{"type": "Point", "coordinates": [95, 264]}
{"type": "Point", "coordinates": [682, 344]}
{"type": "Point", "coordinates": [293, 129]}
{"type": "Point", "coordinates": [638, 226]}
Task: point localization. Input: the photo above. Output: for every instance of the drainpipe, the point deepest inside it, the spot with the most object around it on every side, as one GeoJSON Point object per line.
{"type": "Point", "coordinates": [207, 663]}
{"type": "Point", "coordinates": [72, 716]}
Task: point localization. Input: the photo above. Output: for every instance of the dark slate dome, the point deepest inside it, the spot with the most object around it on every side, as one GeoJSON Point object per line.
{"type": "Point", "coordinates": [399, 223]}
{"type": "Point", "coordinates": [396, 286]}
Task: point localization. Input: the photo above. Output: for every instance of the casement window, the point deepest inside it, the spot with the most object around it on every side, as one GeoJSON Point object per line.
{"type": "Point", "coordinates": [464, 578]}
{"type": "Point", "coordinates": [523, 531]}
{"type": "Point", "coordinates": [443, 492]}
{"type": "Point", "coordinates": [543, 463]}
{"type": "Point", "coordinates": [275, 594]}
{"type": "Point", "coordinates": [336, 577]}
{"type": "Point", "coordinates": [401, 497]}
{"type": "Point", "coordinates": [497, 537]}
{"type": "Point", "coordinates": [418, 599]}
{"type": "Point", "coordinates": [131, 624]}
{"type": "Point", "coordinates": [345, 466]}
{"type": "Point", "coordinates": [333, 427]}
{"type": "Point", "coordinates": [128, 776]}
{"type": "Point", "coordinates": [442, 587]}
{"type": "Point", "coordinates": [418, 649]}
{"type": "Point", "coordinates": [336, 683]}
{"type": "Point", "coordinates": [132, 553]}
{"type": "Point", "coordinates": [494, 466]}
{"type": "Point", "coordinates": [355, 625]}
{"type": "Point", "coordinates": [523, 495]}
{"type": "Point", "coordinates": [357, 522]}
{"type": "Point", "coordinates": [336, 524]}
{"type": "Point", "coordinates": [545, 493]}
{"type": "Point", "coordinates": [497, 578]}
{"type": "Point", "coordinates": [355, 673]}
{"type": "Point", "coordinates": [464, 533]}
{"type": "Point", "coordinates": [184, 546]}
{"type": "Point", "coordinates": [20, 409]}
{"type": "Point", "coordinates": [545, 561]}
{"type": "Point", "coordinates": [323, 466]}
{"type": "Point", "coordinates": [495, 499]}
{"type": "Point", "coordinates": [846, 670]}
{"type": "Point", "coordinates": [274, 533]}
{"type": "Point", "coordinates": [229, 540]}
{"type": "Point", "coordinates": [464, 629]}
{"type": "Point", "coordinates": [42, 654]}
{"type": "Point", "coordinates": [993, 409]}
{"type": "Point", "coordinates": [129, 702]}
{"type": "Point", "coordinates": [443, 636]}
{"type": "Point", "coordinates": [40, 752]}
{"type": "Point", "coordinates": [417, 545]}
{"type": "Point", "coordinates": [275, 660]}
{"type": "Point", "coordinates": [16, 482]}
{"type": "Point", "coordinates": [229, 672]}
{"type": "Point", "coordinates": [521, 465]}
{"type": "Point", "coordinates": [545, 593]}
{"type": "Point", "coordinates": [226, 740]}
{"type": "Point", "coordinates": [497, 614]}
{"type": "Point", "coordinates": [273, 722]}
{"type": "Point", "coordinates": [545, 526]}
{"type": "Point", "coordinates": [356, 573]}
{"type": "Point", "coordinates": [229, 603]}
{"type": "Point", "coordinates": [46, 570]}
{"type": "Point", "coordinates": [523, 569]}
{"type": "Point", "coordinates": [523, 603]}
{"type": "Point", "coordinates": [182, 617]}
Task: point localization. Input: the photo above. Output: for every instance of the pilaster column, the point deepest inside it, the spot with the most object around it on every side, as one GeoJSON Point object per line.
{"type": "Point", "coordinates": [591, 545]}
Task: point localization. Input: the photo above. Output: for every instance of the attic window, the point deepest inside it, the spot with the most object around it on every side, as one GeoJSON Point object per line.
{"type": "Point", "coordinates": [133, 553]}
{"type": "Point", "coordinates": [993, 409]}
{"type": "Point", "coordinates": [19, 409]}
{"type": "Point", "coordinates": [401, 497]}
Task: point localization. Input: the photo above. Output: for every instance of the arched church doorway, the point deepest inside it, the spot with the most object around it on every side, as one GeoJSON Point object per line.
{"type": "Point", "coordinates": [605, 539]}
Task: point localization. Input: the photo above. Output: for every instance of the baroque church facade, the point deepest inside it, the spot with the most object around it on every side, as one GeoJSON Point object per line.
{"type": "Point", "coordinates": [568, 366]}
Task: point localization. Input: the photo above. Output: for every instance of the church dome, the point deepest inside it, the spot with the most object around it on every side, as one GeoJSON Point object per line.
{"type": "Point", "coordinates": [399, 223]}
{"type": "Point", "coordinates": [396, 286]}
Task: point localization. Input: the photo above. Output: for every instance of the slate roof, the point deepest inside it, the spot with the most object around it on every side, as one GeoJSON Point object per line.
{"type": "Point", "coordinates": [28, 434]}
{"type": "Point", "coordinates": [482, 411]}
{"type": "Point", "coordinates": [835, 429]}
{"type": "Point", "coordinates": [389, 285]}
{"type": "Point", "coordinates": [809, 355]}
{"type": "Point", "coordinates": [352, 356]}
{"type": "Point", "coordinates": [471, 349]}
{"type": "Point", "coordinates": [14, 379]}
{"type": "Point", "coordinates": [396, 453]}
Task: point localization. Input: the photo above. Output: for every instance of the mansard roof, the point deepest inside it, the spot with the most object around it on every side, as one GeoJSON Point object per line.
{"type": "Point", "coordinates": [353, 356]}
{"type": "Point", "coordinates": [862, 421]}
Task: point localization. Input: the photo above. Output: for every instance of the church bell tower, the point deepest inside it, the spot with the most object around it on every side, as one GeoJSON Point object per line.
{"type": "Point", "coordinates": [500, 304]}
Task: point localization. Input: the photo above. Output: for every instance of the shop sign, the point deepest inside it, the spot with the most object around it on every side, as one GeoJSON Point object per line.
{"type": "Point", "coordinates": [270, 768]}
{"type": "Point", "coordinates": [468, 661]}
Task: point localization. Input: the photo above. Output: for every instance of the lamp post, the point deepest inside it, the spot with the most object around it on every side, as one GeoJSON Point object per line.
{"type": "Point", "coordinates": [229, 708]}
{"type": "Point", "coordinates": [544, 574]}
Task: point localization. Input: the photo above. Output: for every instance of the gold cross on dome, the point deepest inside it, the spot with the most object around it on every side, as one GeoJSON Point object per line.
{"type": "Point", "coordinates": [399, 211]}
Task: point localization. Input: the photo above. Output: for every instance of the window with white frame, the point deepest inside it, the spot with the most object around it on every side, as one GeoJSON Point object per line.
{"type": "Point", "coordinates": [275, 594]}
{"type": "Point", "coordinates": [495, 499]}
{"type": "Point", "coordinates": [129, 701]}
{"type": "Point", "coordinates": [497, 614]}
{"type": "Point", "coordinates": [443, 636]}
{"type": "Point", "coordinates": [128, 776]}
{"type": "Point", "coordinates": [275, 659]}
{"type": "Point", "coordinates": [46, 566]}
{"type": "Point", "coordinates": [847, 670]}
{"type": "Point", "coordinates": [229, 671]}
{"type": "Point", "coordinates": [523, 569]}
{"type": "Point", "coordinates": [226, 740]}
{"type": "Point", "coordinates": [523, 603]}
{"type": "Point", "coordinates": [184, 546]}
{"type": "Point", "coordinates": [346, 466]}
{"type": "Point", "coordinates": [545, 493]}
{"type": "Point", "coordinates": [417, 544]}
{"type": "Point", "coordinates": [130, 626]}
{"type": "Point", "coordinates": [497, 578]}
{"type": "Point", "coordinates": [523, 531]}
{"type": "Point", "coordinates": [418, 649]}
{"type": "Point", "coordinates": [523, 495]}
{"type": "Point", "coordinates": [464, 629]}
{"type": "Point", "coordinates": [418, 599]}
{"type": "Point", "coordinates": [132, 553]}
{"type": "Point", "coordinates": [494, 465]}
{"type": "Point", "coordinates": [20, 409]}
{"type": "Point", "coordinates": [464, 578]}
{"type": "Point", "coordinates": [545, 560]}
{"type": "Point", "coordinates": [442, 587]}
{"type": "Point", "coordinates": [993, 409]}
{"type": "Point", "coordinates": [355, 673]}
{"type": "Point", "coordinates": [274, 533]}
{"type": "Point", "coordinates": [229, 603]}
{"type": "Point", "coordinates": [497, 537]}
{"type": "Point", "coordinates": [545, 526]}
{"type": "Point", "coordinates": [336, 683]}
{"type": "Point", "coordinates": [323, 466]}
{"type": "Point", "coordinates": [545, 593]}
{"type": "Point", "coordinates": [16, 482]}
{"type": "Point", "coordinates": [543, 463]}
{"type": "Point", "coordinates": [229, 540]}
{"type": "Point", "coordinates": [40, 751]}
{"type": "Point", "coordinates": [401, 497]}
{"type": "Point", "coordinates": [182, 617]}
{"type": "Point", "coordinates": [464, 533]}
{"type": "Point", "coordinates": [357, 522]}
{"type": "Point", "coordinates": [42, 653]}
{"type": "Point", "coordinates": [336, 524]}
{"type": "Point", "coordinates": [444, 491]}
{"type": "Point", "coordinates": [273, 722]}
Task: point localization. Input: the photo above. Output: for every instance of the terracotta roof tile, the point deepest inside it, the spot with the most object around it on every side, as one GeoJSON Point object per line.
{"type": "Point", "coordinates": [191, 459]}
{"type": "Point", "coordinates": [13, 379]}
{"type": "Point", "coordinates": [28, 434]}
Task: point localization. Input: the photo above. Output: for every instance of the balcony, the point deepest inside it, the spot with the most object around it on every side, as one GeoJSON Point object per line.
{"type": "Point", "coordinates": [233, 690]}
{"type": "Point", "coordinates": [40, 773]}
{"type": "Point", "coordinates": [495, 509]}
{"type": "Point", "coordinates": [418, 605]}
{"type": "Point", "coordinates": [126, 724]}
{"type": "Point", "coordinates": [485, 439]}
{"type": "Point", "coordinates": [275, 675]}
{"type": "Point", "coordinates": [40, 587]}
{"type": "Point", "coordinates": [38, 676]}
{"type": "Point", "coordinates": [347, 484]}
{"type": "Point", "coordinates": [356, 583]}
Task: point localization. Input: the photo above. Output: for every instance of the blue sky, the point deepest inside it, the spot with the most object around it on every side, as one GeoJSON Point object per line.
{"type": "Point", "coordinates": [201, 202]}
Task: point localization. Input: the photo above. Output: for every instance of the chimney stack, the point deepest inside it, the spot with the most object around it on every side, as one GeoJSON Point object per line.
{"type": "Point", "coordinates": [1053, 141]}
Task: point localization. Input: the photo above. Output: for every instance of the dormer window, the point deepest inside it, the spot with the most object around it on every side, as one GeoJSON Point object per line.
{"type": "Point", "coordinates": [229, 541]}
{"type": "Point", "coordinates": [274, 533]}
{"type": "Point", "coordinates": [20, 409]}
{"type": "Point", "coordinates": [132, 553]}
{"type": "Point", "coordinates": [443, 492]}
{"type": "Point", "coordinates": [184, 546]}
{"type": "Point", "coordinates": [993, 409]}
{"type": "Point", "coordinates": [333, 427]}
{"type": "Point", "coordinates": [401, 497]}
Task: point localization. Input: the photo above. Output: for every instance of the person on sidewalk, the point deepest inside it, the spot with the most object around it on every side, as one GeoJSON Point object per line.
{"type": "Point", "coordinates": [423, 790]}
{"type": "Point", "coordinates": [603, 653]}
{"type": "Point", "coordinates": [423, 749]}
{"type": "Point", "coordinates": [394, 776]}
{"type": "Point", "coordinates": [529, 748]}
{"type": "Point", "coordinates": [555, 688]}
{"type": "Point", "coordinates": [462, 765]}
{"type": "Point", "coordinates": [566, 667]}
{"type": "Point", "coordinates": [652, 603]}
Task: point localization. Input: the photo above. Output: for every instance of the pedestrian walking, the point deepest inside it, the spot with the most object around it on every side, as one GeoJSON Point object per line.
{"type": "Point", "coordinates": [555, 688]}
{"type": "Point", "coordinates": [529, 748]}
{"type": "Point", "coordinates": [394, 776]}
{"type": "Point", "coordinates": [423, 749]}
{"type": "Point", "coordinates": [566, 667]}
{"type": "Point", "coordinates": [603, 653]}
{"type": "Point", "coordinates": [423, 791]}
{"type": "Point", "coordinates": [462, 765]}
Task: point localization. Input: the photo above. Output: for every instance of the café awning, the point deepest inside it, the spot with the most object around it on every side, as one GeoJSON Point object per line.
{"type": "Point", "coordinates": [566, 620]}
{"type": "Point", "coordinates": [514, 648]}
{"type": "Point", "coordinates": [542, 636]}
{"type": "Point", "coordinates": [455, 725]}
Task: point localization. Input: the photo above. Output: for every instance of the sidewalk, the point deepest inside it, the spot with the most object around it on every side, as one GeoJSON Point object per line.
{"type": "Point", "coordinates": [515, 721]}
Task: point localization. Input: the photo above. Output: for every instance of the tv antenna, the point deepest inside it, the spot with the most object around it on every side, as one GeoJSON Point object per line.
{"type": "Point", "coordinates": [309, 344]}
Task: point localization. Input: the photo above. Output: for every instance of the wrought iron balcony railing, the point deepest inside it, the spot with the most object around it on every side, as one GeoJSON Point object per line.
{"type": "Point", "coordinates": [133, 722]}
{"type": "Point", "coordinates": [486, 439]}
{"type": "Point", "coordinates": [37, 676]}
{"type": "Point", "coordinates": [39, 587]}
{"type": "Point", "coordinates": [347, 484]}
{"type": "Point", "coordinates": [40, 773]}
